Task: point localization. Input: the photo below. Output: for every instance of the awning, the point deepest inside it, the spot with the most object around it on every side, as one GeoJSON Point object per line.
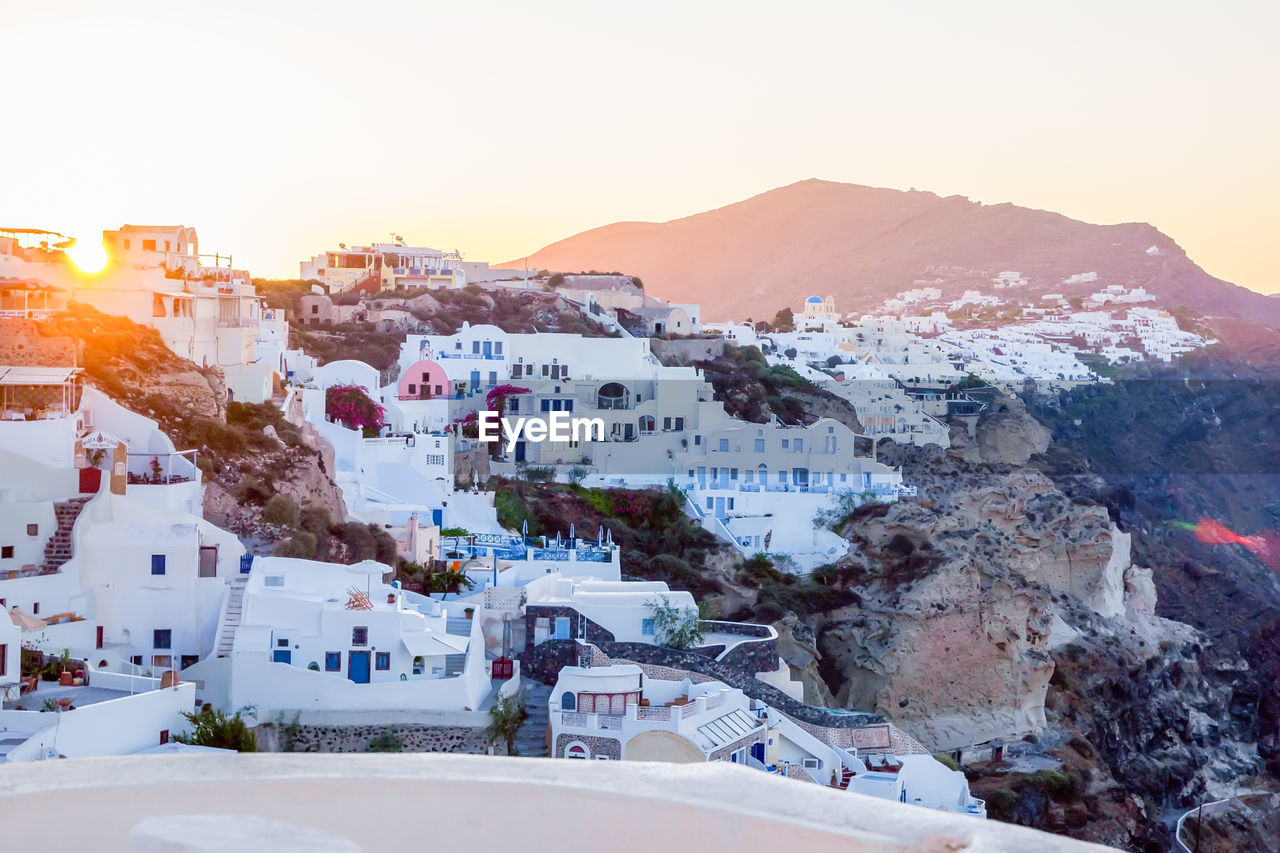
{"type": "Point", "coordinates": [427, 644]}
{"type": "Point", "coordinates": [25, 622]}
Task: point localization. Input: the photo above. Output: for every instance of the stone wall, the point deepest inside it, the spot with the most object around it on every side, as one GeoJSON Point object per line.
{"type": "Point", "coordinates": [598, 745]}
{"type": "Point", "coordinates": [687, 350]}
{"type": "Point", "coordinates": [753, 657]}
{"type": "Point", "coordinates": [593, 632]}
{"type": "Point", "coordinates": [413, 737]}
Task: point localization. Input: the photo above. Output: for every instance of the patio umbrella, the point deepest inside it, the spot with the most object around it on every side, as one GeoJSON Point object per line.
{"type": "Point", "coordinates": [524, 530]}
{"type": "Point", "coordinates": [608, 536]}
{"type": "Point", "coordinates": [599, 535]}
{"type": "Point", "coordinates": [27, 622]}
{"type": "Point", "coordinates": [571, 532]}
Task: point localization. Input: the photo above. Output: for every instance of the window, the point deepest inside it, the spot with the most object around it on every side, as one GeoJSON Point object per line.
{"type": "Point", "coordinates": [35, 609]}
{"type": "Point", "coordinates": [382, 660]}
{"type": "Point", "coordinates": [759, 445]}
{"type": "Point", "coordinates": [666, 424]}
{"type": "Point", "coordinates": [164, 736]}
{"type": "Point", "coordinates": [157, 564]}
{"type": "Point", "coordinates": [333, 662]}
{"type": "Point", "coordinates": [711, 503]}
{"type": "Point", "coordinates": [33, 530]}
{"type": "Point", "coordinates": [475, 347]}
{"type": "Point", "coordinates": [360, 635]}
{"type": "Point", "coordinates": [148, 245]}
{"type": "Point", "coordinates": [6, 551]}
{"type": "Point", "coordinates": [568, 702]}
{"type": "Point", "coordinates": [4, 659]}
{"type": "Point", "coordinates": [162, 661]}
{"type": "Point", "coordinates": [273, 580]}
{"type": "Point", "coordinates": [162, 638]}
{"type": "Point", "coordinates": [730, 503]}
{"type": "Point", "coordinates": [136, 660]}
{"type": "Point", "coordinates": [799, 448]}
{"type": "Point", "coordinates": [646, 627]}
{"type": "Point", "coordinates": [811, 764]}
{"type": "Point", "coordinates": [413, 389]}
{"type": "Point", "coordinates": [679, 424]}
{"type": "Point", "coordinates": [497, 347]}
{"type": "Point", "coordinates": [724, 445]}
{"type": "Point", "coordinates": [697, 439]}
{"type": "Point", "coordinates": [786, 443]}
{"type": "Point", "coordinates": [282, 643]}
{"type": "Point", "coordinates": [126, 244]}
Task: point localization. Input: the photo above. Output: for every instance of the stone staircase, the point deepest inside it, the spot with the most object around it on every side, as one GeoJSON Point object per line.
{"type": "Point", "coordinates": [454, 664]}
{"type": "Point", "coordinates": [458, 625]}
{"type": "Point", "coordinates": [531, 739]}
{"type": "Point", "coordinates": [231, 619]}
{"type": "Point", "coordinates": [57, 550]}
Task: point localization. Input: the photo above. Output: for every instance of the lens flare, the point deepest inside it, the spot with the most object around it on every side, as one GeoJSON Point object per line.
{"type": "Point", "coordinates": [88, 257]}
{"type": "Point", "coordinates": [1266, 547]}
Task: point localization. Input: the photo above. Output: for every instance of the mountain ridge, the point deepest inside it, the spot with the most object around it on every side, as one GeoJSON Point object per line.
{"type": "Point", "coordinates": [863, 244]}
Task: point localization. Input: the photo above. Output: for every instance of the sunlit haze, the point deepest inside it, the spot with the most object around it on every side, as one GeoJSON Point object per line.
{"type": "Point", "coordinates": [279, 129]}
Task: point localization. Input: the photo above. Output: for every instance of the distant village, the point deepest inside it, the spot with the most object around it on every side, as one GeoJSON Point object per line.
{"type": "Point", "coordinates": [129, 610]}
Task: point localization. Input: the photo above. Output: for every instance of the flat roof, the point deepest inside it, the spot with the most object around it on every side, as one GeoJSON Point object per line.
{"type": "Point", "coordinates": [24, 375]}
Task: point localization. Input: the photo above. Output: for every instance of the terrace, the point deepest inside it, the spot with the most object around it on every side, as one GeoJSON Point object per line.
{"type": "Point", "coordinates": [38, 393]}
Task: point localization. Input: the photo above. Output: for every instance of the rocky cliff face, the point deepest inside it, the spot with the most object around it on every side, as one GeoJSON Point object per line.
{"type": "Point", "coordinates": [995, 606]}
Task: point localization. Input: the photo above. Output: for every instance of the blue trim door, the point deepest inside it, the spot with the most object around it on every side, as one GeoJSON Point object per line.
{"type": "Point", "coordinates": [282, 656]}
{"type": "Point", "coordinates": [358, 667]}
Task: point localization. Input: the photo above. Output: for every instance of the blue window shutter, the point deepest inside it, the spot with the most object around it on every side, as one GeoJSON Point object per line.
{"type": "Point", "coordinates": [157, 564]}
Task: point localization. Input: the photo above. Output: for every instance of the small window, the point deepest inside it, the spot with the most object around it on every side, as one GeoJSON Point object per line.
{"type": "Point", "coordinates": [360, 635]}
{"type": "Point", "coordinates": [273, 580]}
{"type": "Point", "coordinates": [333, 662]}
{"type": "Point", "coordinates": [786, 443]}
{"type": "Point", "coordinates": [413, 389]}
{"type": "Point", "coordinates": [315, 309]}
{"type": "Point", "coordinates": [162, 638]}
{"type": "Point", "coordinates": [126, 244]}
{"type": "Point", "coordinates": [680, 424]}
{"type": "Point", "coordinates": [148, 245]}
{"type": "Point", "coordinates": [697, 439]}
{"type": "Point", "coordinates": [759, 445]}
{"type": "Point", "coordinates": [33, 530]}
{"type": "Point", "coordinates": [6, 551]}
{"type": "Point", "coordinates": [724, 445]}
{"type": "Point", "coordinates": [136, 660]}
{"type": "Point", "coordinates": [157, 564]}
{"type": "Point", "coordinates": [282, 643]}
{"type": "Point", "coordinates": [162, 661]}
{"type": "Point", "coordinates": [811, 764]}
{"type": "Point", "coordinates": [35, 609]}
{"type": "Point", "coordinates": [646, 627]}
{"type": "Point", "coordinates": [164, 736]}
{"type": "Point", "coordinates": [382, 660]}
{"type": "Point", "coordinates": [799, 448]}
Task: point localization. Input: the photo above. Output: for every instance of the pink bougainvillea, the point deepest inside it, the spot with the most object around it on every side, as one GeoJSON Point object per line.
{"type": "Point", "coordinates": [496, 399]}
{"type": "Point", "coordinates": [351, 406]}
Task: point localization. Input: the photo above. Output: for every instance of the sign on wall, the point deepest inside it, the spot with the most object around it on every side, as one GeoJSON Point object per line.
{"type": "Point", "coordinates": [99, 441]}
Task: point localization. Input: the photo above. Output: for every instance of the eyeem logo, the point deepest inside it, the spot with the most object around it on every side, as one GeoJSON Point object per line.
{"type": "Point", "coordinates": [558, 427]}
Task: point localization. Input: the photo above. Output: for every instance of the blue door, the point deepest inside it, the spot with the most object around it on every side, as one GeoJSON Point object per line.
{"type": "Point", "coordinates": [475, 380]}
{"type": "Point", "coordinates": [720, 512]}
{"type": "Point", "coordinates": [488, 349]}
{"type": "Point", "coordinates": [562, 628]}
{"type": "Point", "coordinates": [702, 477]}
{"type": "Point", "coordinates": [282, 656]}
{"type": "Point", "coordinates": [757, 751]}
{"type": "Point", "coordinates": [358, 667]}
{"type": "Point", "coordinates": [437, 517]}
{"type": "Point", "coordinates": [520, 451]}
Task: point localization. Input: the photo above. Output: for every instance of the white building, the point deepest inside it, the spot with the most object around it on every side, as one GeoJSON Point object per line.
{"type": "Point", "coordinates": [323, 636]}
{"type": "Point", "coordinates": [385, 266]}
{"type": "Point", "coordinates": [615, 712]}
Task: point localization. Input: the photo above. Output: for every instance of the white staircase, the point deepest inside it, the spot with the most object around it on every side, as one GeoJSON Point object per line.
{"type": "Point", "coordinates": [231, 617]}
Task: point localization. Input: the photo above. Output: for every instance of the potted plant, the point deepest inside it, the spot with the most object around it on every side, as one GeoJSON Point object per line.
{"type": "Point", "coordinates": [470, 611]}
{"type": "Point", "coordinates": [66, 672]}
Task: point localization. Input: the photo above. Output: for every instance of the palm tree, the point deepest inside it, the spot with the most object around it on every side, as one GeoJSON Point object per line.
{"type": "Point", "coordinates": [505, 719]}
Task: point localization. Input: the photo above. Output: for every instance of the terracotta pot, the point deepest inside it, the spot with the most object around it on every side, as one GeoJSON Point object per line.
{"type": "Point", "coordinates": [65, 678]}
{"type": "Point", "coordinates": [64, 703]}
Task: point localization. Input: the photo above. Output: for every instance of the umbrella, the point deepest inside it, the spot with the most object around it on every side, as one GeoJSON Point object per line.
{"type": "Point", "coordinates": [571, 531]}
{"type": "Point", "coordinates": [608, 536]}
{"type": "Point", "coordinates": [524, 529]}
{"type": "Point", "coordinates": [599, 535]}
{"type": "Point", "coordinates": [26, 622]}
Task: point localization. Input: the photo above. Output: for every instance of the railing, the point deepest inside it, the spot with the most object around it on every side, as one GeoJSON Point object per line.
{"type": "Point", "coordinates": [568, 718]}
{"type": "Point", "coordinates": [29, 312]}
{"type": "Point", "coordinates": [716, 701]}
{"type": "Point", "coordinates": [643, 713]}
{"type": "Point", "coordinates": [610, 721]}
{"type": "Point", "coordinates": [688, 710]}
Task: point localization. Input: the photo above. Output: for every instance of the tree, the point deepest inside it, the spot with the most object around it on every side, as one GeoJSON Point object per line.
{"type": "Point", "coordinates": [784, 321]}
{"type": "Point", "coordinates": [675, 627]}
{"type": "Point", "coordinates": [213, 728]}
{"type": "Point", "coordinates": [577, 474]}
{"type": "Point", "coordinates": [505, 718]}
{"type": "Point", "coordinates": [350, 406]}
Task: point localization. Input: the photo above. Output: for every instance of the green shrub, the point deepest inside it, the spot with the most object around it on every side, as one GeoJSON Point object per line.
{"type": "Point", "coordinates": [301, 545]}
{"type": "Point", "coordinates": [385, 742]}
{"type": "Point", "coordinates": [216, 729]}
{"type": "Point", "coordinates": [280, 510]}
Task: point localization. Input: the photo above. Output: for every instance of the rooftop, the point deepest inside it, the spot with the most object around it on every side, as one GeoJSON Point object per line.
{"type": "Point", "coordinates": [541, 803]}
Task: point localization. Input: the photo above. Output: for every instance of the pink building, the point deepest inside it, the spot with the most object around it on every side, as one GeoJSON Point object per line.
{"type": "Point", "coordinates": [425, 380]}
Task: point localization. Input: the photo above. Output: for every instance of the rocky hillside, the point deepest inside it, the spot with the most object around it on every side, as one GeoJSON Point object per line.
{"type": "Point", "coordinates": [862, 244]}
{"type": "Point", "coordinates": [247, 453]}
{"type": "Point", "coordinates": [1000, 605]}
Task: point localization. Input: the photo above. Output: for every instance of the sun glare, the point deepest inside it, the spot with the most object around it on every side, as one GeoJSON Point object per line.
{"type": "Point", "coordinates": [88, 257]}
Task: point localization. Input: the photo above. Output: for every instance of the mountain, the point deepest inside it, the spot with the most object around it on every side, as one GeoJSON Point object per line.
{"type": "Point", "coordinates": [862, 244]}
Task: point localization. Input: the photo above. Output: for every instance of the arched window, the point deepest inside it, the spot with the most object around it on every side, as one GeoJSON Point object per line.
{"type": "Point", "coordinates": [568, 702]}
{"type": "Point", "coordinates": [577, 749]}
{"type": "Point", "coordinates": [647, 423]}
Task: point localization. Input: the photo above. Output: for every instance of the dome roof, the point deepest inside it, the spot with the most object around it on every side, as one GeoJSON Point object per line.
{"type": "Point", "coordinates": [813, 300]}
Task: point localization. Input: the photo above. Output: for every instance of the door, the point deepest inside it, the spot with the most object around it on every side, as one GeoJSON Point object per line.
{"type": "Point", "coordinates": [702, 477]}
{"type": "Point", "coordinates": [520, 451]}
{"type": "Point", "coordinates": [475, 380]}
{"type": "Point", "coordinates": [562, 628]}
{"type": "Point", "coordinates": [99, 640]}
{"type": "Point", "coordinates": [720, 511]}
{"type": "Point", "coordinates": [282, 656]}
{"type": "Point", "coordinates": [757, 752]}
{"type": "Point", "coordinates": [358, 667]}
{"type": "Point", "coordinates": [488, 349]}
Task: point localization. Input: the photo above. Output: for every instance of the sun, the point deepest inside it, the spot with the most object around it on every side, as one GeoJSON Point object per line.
{"type": "Point", "coordinates": [88, 257]}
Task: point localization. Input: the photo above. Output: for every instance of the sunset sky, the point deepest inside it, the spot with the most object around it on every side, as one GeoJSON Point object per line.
{"type": "Point", "coordinates": [280, 128]}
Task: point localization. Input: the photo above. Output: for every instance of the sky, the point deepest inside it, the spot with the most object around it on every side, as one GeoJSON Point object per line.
{"type": "Point", "coordinates": [279, 129]}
